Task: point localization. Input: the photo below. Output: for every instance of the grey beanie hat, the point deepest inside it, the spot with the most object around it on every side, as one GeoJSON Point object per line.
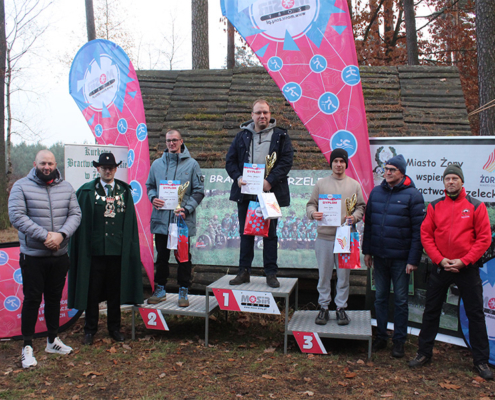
{"type": "Point", "coordinates": [453, 169]}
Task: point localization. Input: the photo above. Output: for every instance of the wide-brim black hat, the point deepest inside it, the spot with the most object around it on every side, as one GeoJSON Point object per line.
{"type": "Point", "coordinates": [106, 159]}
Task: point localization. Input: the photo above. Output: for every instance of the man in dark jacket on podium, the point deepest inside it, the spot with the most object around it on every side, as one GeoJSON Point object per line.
{"type": "Point", "coordinates": [259, 138]}
{"type": "Point", "coordinates": [392, 245]}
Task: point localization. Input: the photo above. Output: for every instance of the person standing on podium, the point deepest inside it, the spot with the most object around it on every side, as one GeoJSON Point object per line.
{"type": "Point", "coordinates": [259, 138]}
{"type": "Point", "coordinates": [338, 184]}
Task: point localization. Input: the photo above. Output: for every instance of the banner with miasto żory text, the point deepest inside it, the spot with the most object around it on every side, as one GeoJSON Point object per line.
{"type": "Point", "coordinates": [105, 87]}
{"type": "Point", "coordinates": [307, 46]}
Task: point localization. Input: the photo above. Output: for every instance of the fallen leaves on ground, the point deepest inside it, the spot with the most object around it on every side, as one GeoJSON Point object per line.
{"type": "Point", "coordinates": [86, 374]}
{"type": "Point", "coordinates": [449, 386]}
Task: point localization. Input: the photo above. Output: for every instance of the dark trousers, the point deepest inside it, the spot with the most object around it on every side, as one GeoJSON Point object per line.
{"type": "Point", "coordinates": [162, 267]}
{"type": "Point", "coordinates": [42, 276]}
{"type": "Point", "coordinates": [246, 255]}
{"type": "Point", "coordinates": [391, 270]}
{"type": "Point", "coordinates": [469, 283]}
{"type": "Point", "coordinates": [104, 283]}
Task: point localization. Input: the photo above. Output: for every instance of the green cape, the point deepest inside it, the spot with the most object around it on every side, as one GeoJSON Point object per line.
{"type": "Point", "coordinates": [131, 287]}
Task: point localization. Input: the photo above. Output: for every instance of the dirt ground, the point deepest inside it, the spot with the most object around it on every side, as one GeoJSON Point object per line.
{"type": "Point", "coordinates": [244, 360]}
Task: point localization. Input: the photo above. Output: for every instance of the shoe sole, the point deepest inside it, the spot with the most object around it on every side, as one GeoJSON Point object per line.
{"type": "Point", "coordinates": [398, 355]}
{"type": "Point", "coordinates": [321, 323]}
{"type": "Point", "coordinates": [53, 351]}
{"type": "Point", "coordinates": [341, 323]}
{"type": "Point", "coordinates": [30, 365]}
{"type": "Point", "coordinates": [156, 301]}
{"type": "Point", "coordinates": [420, 365]}
{"type": "Point", "coordinates": [184, 304]}
{"type": "Point", "coordinates": [240, 283]}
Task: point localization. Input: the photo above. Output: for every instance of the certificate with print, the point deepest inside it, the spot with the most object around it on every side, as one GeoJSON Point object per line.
{"type": "Point", "coordinates": [331, 207]}
{"type": "Point", "coordinates": [168, 192]}
{"type": "Point", "coordinates": [253, 175]}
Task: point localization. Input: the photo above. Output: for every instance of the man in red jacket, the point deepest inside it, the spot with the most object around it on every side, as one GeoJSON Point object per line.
{"type": "Point", "coordinates": [455, 234]}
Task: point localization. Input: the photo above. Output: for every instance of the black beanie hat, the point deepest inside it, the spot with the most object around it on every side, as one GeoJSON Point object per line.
{"type": "Point", "coordinates": [453, 169]}
{"type": "Point", "coordinates": [339, 153]}
{"type": "Point", "coordinates": [399, 162]}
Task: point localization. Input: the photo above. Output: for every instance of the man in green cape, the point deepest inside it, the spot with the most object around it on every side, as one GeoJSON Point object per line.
{"type": "Point", "coordinates": [104, 253]}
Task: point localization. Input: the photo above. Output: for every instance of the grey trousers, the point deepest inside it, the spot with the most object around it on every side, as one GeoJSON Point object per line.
{"type": "Point", "coordinates": [326, 261]}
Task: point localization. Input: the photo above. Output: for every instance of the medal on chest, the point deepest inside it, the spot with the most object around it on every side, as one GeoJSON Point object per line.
{"type": "Point", "coordinates": [113, 205]}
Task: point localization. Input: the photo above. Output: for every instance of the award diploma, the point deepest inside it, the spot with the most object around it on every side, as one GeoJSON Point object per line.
{"type": "Point", "coordinates": [331, 207]}
{"type": "Point", "coordinates": [168, 192]}
{"type": "Point", "coordinates": [253, 175]}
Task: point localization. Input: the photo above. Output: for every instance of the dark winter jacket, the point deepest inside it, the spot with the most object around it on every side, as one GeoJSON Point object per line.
{"type": "Point", "coordinates": [36, 208]}
{"type": "Point", "coordinates": [392, 225]}
{"type": "Point", "coordinates": [238, 154]}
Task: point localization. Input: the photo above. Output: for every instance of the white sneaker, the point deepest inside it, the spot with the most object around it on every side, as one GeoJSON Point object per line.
{"type": "Point", "coordinates": [27, 358]}
{"type": "Point", "coordinates": [57, 347]}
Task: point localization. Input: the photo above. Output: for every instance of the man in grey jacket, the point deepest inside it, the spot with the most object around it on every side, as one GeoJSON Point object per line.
{"type": "Point", "coordinates": [176, 164]}
{"type": "Point", "coordinates": [44, 209]}
{"type": "Point", "coordinates": [259, 138]}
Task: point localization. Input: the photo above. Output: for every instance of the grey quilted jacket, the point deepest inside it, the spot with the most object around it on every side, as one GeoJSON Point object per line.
{"type": "Point", "coordinates": [36, 208]}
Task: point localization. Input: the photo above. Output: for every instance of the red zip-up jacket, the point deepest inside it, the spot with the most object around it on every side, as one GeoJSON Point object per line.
{"type": "Point", "coordinates": [456, 229]}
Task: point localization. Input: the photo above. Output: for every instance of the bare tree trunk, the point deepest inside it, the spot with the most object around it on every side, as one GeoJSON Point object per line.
{"type": "Point", "coordinates": [90, 20]}
{"type": "Point", "coordinates": [411, 37]}
{"type": "Point", "coordinates": [388, 22]}
{"type": "Point", "coordinates": [4, 215]}
{"type": "Point", "coordinates": [230, 46]}
{"type": "Point", "coordinates": [485, 33]}
{"type": "Point", "coordinates": [199, 27]}
{"type": "Point", "coordinates": [8, 107]}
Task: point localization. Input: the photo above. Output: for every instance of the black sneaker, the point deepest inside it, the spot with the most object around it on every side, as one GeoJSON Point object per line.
{"type": "Point", "coordinates": [419, 361]}
{"type": "Point", "coordinates": [322, 317]}
{"type": "Point", "coordinates": [272, 281]}
{"type": "Point", "coordinates": [484, 371]}
{"type": "Point", "coordinates": [378, 344]}
{"type": "Point", "coordinates": [242, 277]}
{"type": "Point", "coordinates": [342, 318]}
{"type": "Point", "coordinates": [398, 350]}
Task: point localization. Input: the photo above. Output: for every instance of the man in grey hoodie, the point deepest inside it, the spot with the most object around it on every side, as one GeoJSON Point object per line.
{"type": "Point", "coordinates": [259, 137]}
{"type": "Point", "coordinates": [176, 164]}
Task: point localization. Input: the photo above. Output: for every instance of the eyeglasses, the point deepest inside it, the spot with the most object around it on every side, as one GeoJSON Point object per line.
{"type": "Point", "coordinates": [173, 140]}
{"type": "Point", "coordinates": [261, 112]}
{"type": "Point", "coordinates": [387, 169]}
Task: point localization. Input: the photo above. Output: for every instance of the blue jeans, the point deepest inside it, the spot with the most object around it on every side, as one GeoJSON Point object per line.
{"type": "Point", "coordinates": [391, 270]}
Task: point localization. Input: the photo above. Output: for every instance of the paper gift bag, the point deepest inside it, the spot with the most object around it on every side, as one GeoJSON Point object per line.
{"type": "Point", "coordinates": [269, 206]}
{"type": "Point", "coordinates": [255, 224]}
{"type": "Point", "coordinates": [342, 239]}
{"type": "Point", "coordinates": [351, 260]}
{"type": "Point", "coordinates": [182, 252]}
{"type": "Point", "coordinates": [173, 236]}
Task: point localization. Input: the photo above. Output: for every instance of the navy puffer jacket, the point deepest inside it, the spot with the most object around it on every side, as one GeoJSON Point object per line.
{"type": "Point", "coordinates": [392, 225]}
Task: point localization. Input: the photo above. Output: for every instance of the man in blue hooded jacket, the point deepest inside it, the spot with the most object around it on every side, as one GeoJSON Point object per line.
{"type": "Point", "coordinates": [392, 245]}
{"type": "Point", "coordinates": [258, 138]}
{"type": "Point", "coordinates": [176, 164]}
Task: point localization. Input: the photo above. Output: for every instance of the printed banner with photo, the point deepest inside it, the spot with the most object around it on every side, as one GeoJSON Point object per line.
{"type": "Point", "coordinates": [217, 239]}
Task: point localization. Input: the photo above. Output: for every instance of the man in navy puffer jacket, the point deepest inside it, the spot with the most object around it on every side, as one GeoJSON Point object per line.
{"type": "Point", "coordinates": [392, 244]}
